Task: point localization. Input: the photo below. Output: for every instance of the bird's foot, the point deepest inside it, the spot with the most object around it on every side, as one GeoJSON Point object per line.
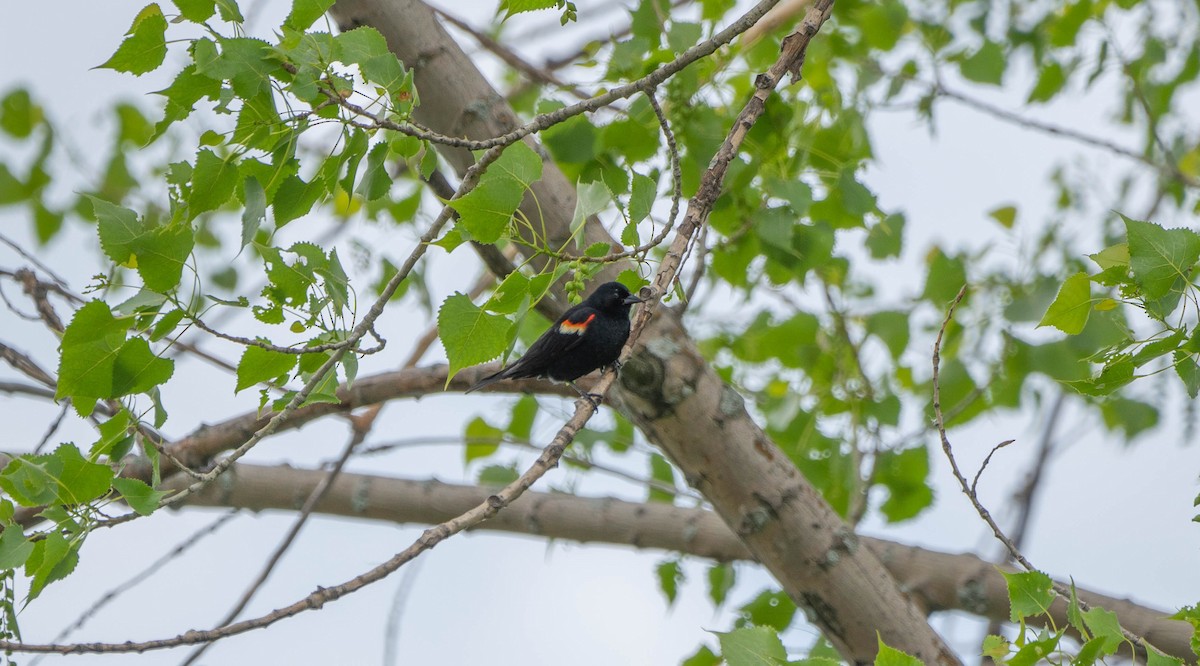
{"type": "Point", "coordinates": [594, 398]}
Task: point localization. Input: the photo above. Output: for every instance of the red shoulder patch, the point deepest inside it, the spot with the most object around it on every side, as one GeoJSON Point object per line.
{"type": "Point", "coordinates": [576, 327]}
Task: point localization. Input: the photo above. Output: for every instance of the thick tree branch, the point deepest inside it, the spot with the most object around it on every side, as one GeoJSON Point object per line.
{"type": "Point", "coordinates": [940, 581]}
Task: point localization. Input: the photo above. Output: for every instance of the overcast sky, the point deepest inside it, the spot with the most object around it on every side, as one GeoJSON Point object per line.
{"type": "Point", "coordinates": [508, 600]}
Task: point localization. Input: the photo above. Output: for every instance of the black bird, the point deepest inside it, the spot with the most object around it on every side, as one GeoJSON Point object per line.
{"type": "Point", "coordinates": [588, 336]}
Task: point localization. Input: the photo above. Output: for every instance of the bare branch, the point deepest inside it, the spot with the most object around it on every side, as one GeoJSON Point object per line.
{"type": "Point", "coordinates": [941, 581]}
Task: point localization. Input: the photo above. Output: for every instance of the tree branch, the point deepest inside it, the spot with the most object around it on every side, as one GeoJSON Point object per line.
{"type": "Point", "coordinates": [940, 581]}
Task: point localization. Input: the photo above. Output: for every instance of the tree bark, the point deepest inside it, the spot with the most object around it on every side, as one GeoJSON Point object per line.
{"type": "Point", "coordinates": [671, 394]}
{"type": "Point", "coordinates": [939, 581]}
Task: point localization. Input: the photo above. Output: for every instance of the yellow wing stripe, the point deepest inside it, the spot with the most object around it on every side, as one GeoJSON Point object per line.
{"type": "Point", "coordinates": [574, 328]}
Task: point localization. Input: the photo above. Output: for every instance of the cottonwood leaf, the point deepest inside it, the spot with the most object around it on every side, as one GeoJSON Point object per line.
{"type": "Point", "coordinates": [145, 48]}
{"type": "Point", "coordinates": [469, 335]}
{"type": "Point", "coordinates": [1070, 310]}
{"type": "Point", "coordinates": [485, 211]}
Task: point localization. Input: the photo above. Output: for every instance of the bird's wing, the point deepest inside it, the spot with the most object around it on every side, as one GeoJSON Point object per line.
{"type": "Point", "coordinates": [564, 335]}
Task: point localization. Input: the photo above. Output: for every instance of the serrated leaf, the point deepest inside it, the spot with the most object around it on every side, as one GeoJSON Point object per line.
{"type": "Point", "coordinates": [159, 252]}
{"type": "Point", "coordinates": [78, 480]}
{"type": "Point", "coordinates": [14, 547]}
{"type": "Point", "coordinates": [145, 48]}
{"type": "Point", "coordinates": [469, 335]}
{"type": "Point", "coordinates": [262, 365]}
{"type": "Point", "coordinates": [591, 199]}
{"type": "Point", "coordinates": [52, 559]}
{"type": "Point", "coordinates": [90, 345]}
{"type": "Point", "coordinates": [485, 211]}
{"type": "Point", "coordinates": [752, 646]}
{"type": "Point", "coordinates": [197, 11]}
{"type": "Point", "coordinates": [248, 64]}
{"type": "Point", "coordinates": [137, 369]}
{"type": "Point", "coordinates": [770, 608]}
{"type": "Point", "coordinates": [306, 12]}
{"type": "Point", "coordinates": [366, 47]}
{"type": "Point", "coordinates": [1029, 593]}
{"type": "Point", "coordinates": [213, 182]}
{"type": "Point", "coordinates": [641, 198]}
{"type": "Point", "coordinates": [1160, 258]}
{"type": "Point", "coordinates": [1103, 624]}
{"type": "Point", "coordinates": [890, 656]}
{"type": "Point", "coordinates": [1071, 308]}
{"type": "Point", "coordinates": [140, 497]}
{"type": "Point", "coordinates": [376, 182]}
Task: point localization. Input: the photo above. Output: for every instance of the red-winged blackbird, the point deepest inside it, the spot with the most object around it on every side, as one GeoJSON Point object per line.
{"type": "Point", "coordinates": [588, 336]}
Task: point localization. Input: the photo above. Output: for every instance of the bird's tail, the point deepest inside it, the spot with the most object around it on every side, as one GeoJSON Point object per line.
{"type": "Point", "coordinates": [490, 379]}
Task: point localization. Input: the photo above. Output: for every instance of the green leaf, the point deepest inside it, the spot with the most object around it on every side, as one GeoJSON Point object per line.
{"type": "Point", "coordinates": [375, 181]}
{"type": "Point", "coordinates": [770, 608]}
{"type": "Point", "coordinates": [90, 346]}
{"type": "Point", "coordinates": [890, 656]}
{"type": "Point", "coordinates": [524, 411]}
{"type": "Point", "coordinates": [1103, 624]}
{"type": "Point", "coordinates": [886, 238]}
{"type": "Point", "coordinates": [592, 198]}
{"type": "Point", "coordinates": [985, 65]}
{"type": "Point", "coordinates": [470, 335]}
{"type": "Point", "coordinates": [137, 369]}
{"type": "Point", "coordinates": [670, 575]}
{"type": "Point", "coordinates": [497, 476]}
{"type": "Point", "coordinates": [1112, 256]}
{"type": "Point", "coordinates": [891, 327]}
{"type": "Point", "coordinates": [213, 182]}
{"type": "Point", "coordinates": [1070, 310]}
{"type": "Point", "coordinates": [905, 474]}
{"type": "Point", "coordinates": [306, 12]}
{"type": "Point", "coordinates": [1029, 594]}
{"type": "Point", "coordinates": [158, 252]}
{"type": "Point", "coordinates": [30, 480]}
{"type": "Point", "coordinates": [145, 48]}
{"type": "Point", "coordinates": [641, 199]}
{"type": "Point", "coordinates": [140, 497]}
{"type": "Point", "coordinates": [255, 211]}
{"type": "Point", "coordinates": [661, 471]}
{"type": "Point", "coordinates": [197, 11]}
{"type": "Point", "coordinates": [262, 365]}
{"type": "Point", "coordinates": [230, 12]}
{"type": "Point", "coordinates": [248, 64]}
{"type": "Point", "coordinates": [485, 211]}
{"type": "Point", "coordinates": [1005, 215]}
{"type": "Point", "coordinates": [365, 46]}
{"type": "Point", "coordinates": [14, 547]}
{"type": "Point", "coordinates": [946, 276]}
{"type": "Point", "coordinates": [19, 115]}
{"type": "Point", "coordinates": [721, 579]}
{"type": "Point", "coordinates": [512, 7]}
{"type": "Point", "coordinates": [52, 559]}
{"type": "Point", "coordinates": [1156, 658]}
{"type": "Point", "coordinates": [1160, 258]}
{"type": "Point", "coordinates": [1051, 79]}
{"type": "Point", "coordinates": [78, 479]}
{"type": "Point", "coordinates": [752, 646]}
{"type": "Point", "coordinates": [482, 439]}
{"type": "Point", "coordinates": [1188, 371]}
{"type": "Point", "coordinates": [182, 96]}
{"type": "Point", "coordinates": [295, 199]}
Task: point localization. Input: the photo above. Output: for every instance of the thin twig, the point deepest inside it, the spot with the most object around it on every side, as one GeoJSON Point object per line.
{"type": "Point", "coordinates": [314, 498]}
{"type": "Point", "coordinates": [986, 515]}
{"type": "Point", "coordinates": [142, 576]}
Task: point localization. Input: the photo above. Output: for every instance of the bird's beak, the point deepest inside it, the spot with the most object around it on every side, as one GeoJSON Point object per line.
{"type": "Point", "coordinates": [631, 299]}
